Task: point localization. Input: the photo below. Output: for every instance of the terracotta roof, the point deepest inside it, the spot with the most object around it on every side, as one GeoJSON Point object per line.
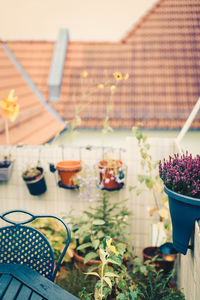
{"type": "Point", "coordinates": [161, 54]}
{"type": "Point", "coordinates": [34, 125]}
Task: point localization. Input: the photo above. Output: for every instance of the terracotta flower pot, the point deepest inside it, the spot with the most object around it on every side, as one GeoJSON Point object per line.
{"type": "Point", "coordinates": [111, 174]}
{"type": "Point", "coordinates": [67, 171]}
{"type": "Point", "coordinates": [184, 211]}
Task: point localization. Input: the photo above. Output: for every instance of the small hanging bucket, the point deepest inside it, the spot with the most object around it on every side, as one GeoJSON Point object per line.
{"type": "Point", "coordinates": [36, 184]}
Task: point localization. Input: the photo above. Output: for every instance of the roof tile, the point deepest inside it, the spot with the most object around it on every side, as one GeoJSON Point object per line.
{"type": "Point", "coordinates": [33, 119]}
{"type": "Point", "coordinates": [160, 53]}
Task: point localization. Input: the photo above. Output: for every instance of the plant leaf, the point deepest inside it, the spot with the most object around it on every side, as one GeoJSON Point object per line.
{"type": "Point", "coordinates": [83, 246]}
{"type": "Point", "coordinates": [141, 178]}
{"type": "Point", "coordinates": [93, 273]}
{"type": "Point", "coordinates": [92, 268]}
{"type": "Point", "coordinates": [95, 244]}
{"type": "Point", "coordinates": [90, 255]}
{"type": "Point", "coordinates": [134, 130]}
{"type": "Point", "coordinates": [98, 222]}
{"type": "Point", "coordinates": [111, 274]}
{"type": "Point", "coordinates": [108, 281]}
{"type": "Point", "coordinates": [112, 262]}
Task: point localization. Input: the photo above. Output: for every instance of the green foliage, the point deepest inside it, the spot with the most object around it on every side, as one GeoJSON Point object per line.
{"type": "Point", "coordinates": [151, 181]}
{"type": "Point", "coordinates": [115, 281]}
{"type": "Point", "coordinates": [154, 285]}
{"type": "Point", "coordinates": [103, 219]}
{"type": "Point", "coordinates": [75, 281]}
{"type": "Point", "coordinates": [56, 235]}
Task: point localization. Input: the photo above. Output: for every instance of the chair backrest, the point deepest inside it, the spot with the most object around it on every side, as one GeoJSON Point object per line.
{"type": "Point", "coordinates": [22, 244]}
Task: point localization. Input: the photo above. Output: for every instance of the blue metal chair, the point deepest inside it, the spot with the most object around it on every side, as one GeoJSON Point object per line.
{"type": "Point", "coordinates": [22, 244]}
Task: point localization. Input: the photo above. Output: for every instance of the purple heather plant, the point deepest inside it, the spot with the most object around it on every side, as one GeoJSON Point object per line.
{"type": "Point", "coordinates": [181, 174]}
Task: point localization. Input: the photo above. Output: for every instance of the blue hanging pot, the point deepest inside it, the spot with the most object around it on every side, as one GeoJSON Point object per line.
{"type": "Point", "coordinates": [184, 212]}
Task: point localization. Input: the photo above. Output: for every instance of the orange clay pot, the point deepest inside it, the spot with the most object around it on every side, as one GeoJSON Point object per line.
{"type": "Point", "coordinates": [67, 171]}
{"type": "Point", "coordinates": [108, 170]}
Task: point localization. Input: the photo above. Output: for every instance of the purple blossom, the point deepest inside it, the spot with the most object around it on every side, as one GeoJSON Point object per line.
{"type": "Point", "coordinates": [181, 174]}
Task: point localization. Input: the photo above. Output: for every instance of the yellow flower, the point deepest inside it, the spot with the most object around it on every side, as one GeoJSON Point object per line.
{"type": "Point", "coordinates": [10, 108]}
{"type": "Point", "coordinates": [84, 74]}
{"type": "Point", "coordinates": [111, 248]}
{"type": "Point", "coordinates": [100, 86]}
{"type": "Point", "coordinates": [117, 75]}
{"type": "Point", "coordinates": [112, 89]}
{"type": "Point", "coordinates": [126, 76]}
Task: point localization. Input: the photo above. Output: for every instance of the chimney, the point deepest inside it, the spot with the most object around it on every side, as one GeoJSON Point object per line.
{"type": "Point", "coordinates": [57, 65]}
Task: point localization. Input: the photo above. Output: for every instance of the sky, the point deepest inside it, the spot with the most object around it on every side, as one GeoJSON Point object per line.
{"type": "Point", "coordinates": [92, 20]}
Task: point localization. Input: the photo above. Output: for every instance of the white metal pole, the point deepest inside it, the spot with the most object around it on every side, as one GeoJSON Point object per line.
{"type": "Point", "coordinates": [189, 121]}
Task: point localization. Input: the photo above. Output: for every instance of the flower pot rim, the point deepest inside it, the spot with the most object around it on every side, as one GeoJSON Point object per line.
{"type": "Point", "coordinates": [69, 165]}
{"type": "Point", "coordinates": [181, 197]}
{"type": "Point", "coordinates": [104, 163]}
{"type": "Point", "coordinates": [35, 178]}
{"type": "Point", "coordinates": [150, 248]}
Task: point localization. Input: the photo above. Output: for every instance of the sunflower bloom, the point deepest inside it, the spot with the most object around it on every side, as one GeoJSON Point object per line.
{"type": "Point", "coordinates": [84, 74]}
{"type": "Point", "coordinates": [111, 248]}
{"type": "Point", "coordinates": [117, 76]}
{"type": "Point", "coordinates": [10, 107]}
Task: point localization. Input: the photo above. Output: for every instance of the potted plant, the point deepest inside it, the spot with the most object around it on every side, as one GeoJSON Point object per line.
{"type": "Point", "coordinates": [6, 166]}
{"type": "Point", "coordinates": [67, 171]}
{"type": "Point", "coordinates": [181, 177]}
{"type": "Point", "coordinates": [35, 181]}
{"type": "Point", "coordinates": [116, 281]}
{"type": "Point", "coordinates": [102, 219]}
{"type": "Point", "coordinates": [10, 111]}
{"type": "Point", "coordinates": [111, 174]}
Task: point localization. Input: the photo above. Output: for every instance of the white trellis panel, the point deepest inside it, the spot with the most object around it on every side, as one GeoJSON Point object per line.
{"type": "Point", "coordinates": [59, 201]}
{"type": "Point", "coordinates": [140, 205]}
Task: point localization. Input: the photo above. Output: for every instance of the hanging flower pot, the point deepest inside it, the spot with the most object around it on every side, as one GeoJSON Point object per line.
{"type": "Point", "coordinates": [67, 171]}
{"type": "Point", "coordinates": [184, 211]}
{"type": "Point", "coordinates": [5, 170]}
{"type": "Point", "coordinates": [111, 174]}
{"type": "Point", "coordinates": [35, 181]}
{"type": "Point", "coordinates": [181, 177]}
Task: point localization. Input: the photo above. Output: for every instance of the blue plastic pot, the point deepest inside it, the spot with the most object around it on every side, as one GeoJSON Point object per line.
{"type": "Point", "coordinates": [184, 211]}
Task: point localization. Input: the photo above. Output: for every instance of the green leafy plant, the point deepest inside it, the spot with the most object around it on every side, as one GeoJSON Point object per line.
{"type": "Point", "coordinates": [103, 219]}
{"type": "Point", "coordinates": [115, 281]}
{"type": "Point", "coordinates": [74, 280]}
{"type": "Point", "coordinates": [150, 180]}
{"type": "Point", "coordinates": [153, 285]}
{"type": "Point", "coordinates": [112, 275]}
{"type": "Point", "coordinates": [57, 237]}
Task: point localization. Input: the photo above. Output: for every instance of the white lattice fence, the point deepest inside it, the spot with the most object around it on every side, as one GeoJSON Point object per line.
{"type": "Point", "coordinates": [14, 194]}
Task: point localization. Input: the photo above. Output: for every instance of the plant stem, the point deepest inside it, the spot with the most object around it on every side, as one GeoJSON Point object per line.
{"type": "Point", "coordinates": [102, 275]}
{"type": "Point", "coordinates": [7, 132]}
